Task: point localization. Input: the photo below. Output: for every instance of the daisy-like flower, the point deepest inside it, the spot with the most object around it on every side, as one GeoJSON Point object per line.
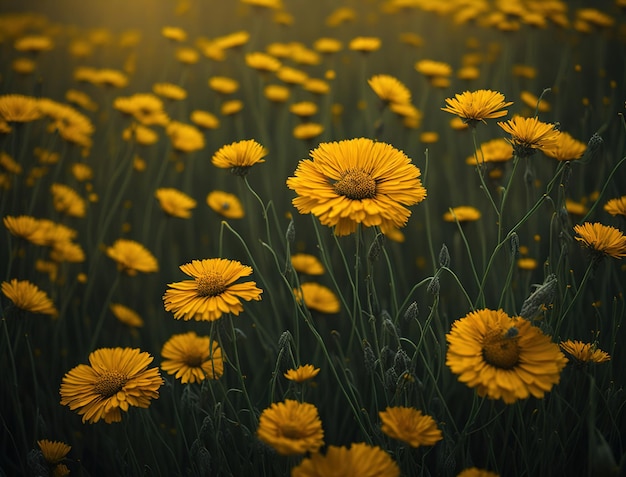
{"type": "Point", "coordinates": [291, 76]}
{"type": "Point", "coordinates": [357, 181]}
{"type": "Point", "coordinates": [33, 43]}
{"type": "Point", "coordinates": [475, 106]}
{"type": "Point", "coordinates": [174, 33]}
{"type": "Point", "coordinates": [22, 226]}
{"type": "Point", "coordinates": [185, 137]}
{"type": "Point", "coordinates": [291, 427]}
{"type": "Point", "coordinates": [53, 451]}
{"type": "Point", "coordinates": [318, 297]}
{"type": "Point", "coordinates": [316, 86]}
{"type": "Point", "coordinates": [28, 297]}
{"type": "Point", "coordinates": [364, 44]}
{"type": "Point", "coordinates": [169, 91]}
{"type": "Point", "coordinates": [602, 240]}
{"type": "Point", "coordinates": [433, 69]}
{"type": "Point", "coordinates": [307, 264]}
{"type": "Point", "coordinates": [232, 107]}
{"type": "Point", "coordinates": [126, 316]}
{"type": "Point", "coordinates": [65, 251]}
{"type": "Point", "coordinates": [114, 380]}
{"type": "Point", "coordinates": [496, 150]}
{"type": "Point", "coordinates": [174, 202]}
{"type": "Point", "coordinates": [303, 109]}
{"type": "Point", "coordinates": [529, 134]}
{"type": "Point", "coordinates": [530, 100]}
{"type": "Point", "coordinates": [410, 425]}
{"type": "Point", "coordinates": [389, 89]}
{"type": "Point", "coordinates": [360, 460]}
{"type": "Point", "coordinates": [239, 156]}
{"type": "Point", "coordinates": [463, 213]}
{"type": "Point", "coordinates": [262, 61]}
{"type": "Point", "coordinates": [327, 45]}
{"type": "Point", "coordinates": [204, 119]}
{"type": "Point", "coordinates": [566, 148]}
{"type": "Point", "coordinates": [504, 358]}
{"type": "Point", "coordinates": [583, 353]}
{"type": "Point", "coordinates": [66, 200]}
{"type": "Point", "coordinates": [616, 206]}
{"type": "Point", "coordinates": [307, 131]}
{"type": "Point", "coordinates": [187, 56]}
{"type": "Point", "coordinates": [212, 291]}
{"type": "Point", "coordinates": [476, 472]}
{"type": "Point", "coordinates": [223, 84]}
{"type": "Point", "coordinates": [225, 204]}
{"type": "Point", "coordinates": [141, 134]}
{"type": "Point", "coordinates": [132, 257]}
{"type": "Point", "coordinates": [17, 108]}
{"type": "Point", "coordinates": [192, 358]}
{"type": "Point", "coordinates": [302, 373]}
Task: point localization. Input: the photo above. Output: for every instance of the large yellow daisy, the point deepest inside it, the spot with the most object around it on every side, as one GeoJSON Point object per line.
{"type": "Point", "coordinates": [504, 358]}
{"type": "Point", "coordinates": [192, 358]}
{"type": "Point", "coordinates": [357, 181]}
{"type": "Point", "coordinates": [601, 239]}
{"type": "Point", "coordinates": [212, 291]}
{"type": "Point", "coordinates": [475, 106]}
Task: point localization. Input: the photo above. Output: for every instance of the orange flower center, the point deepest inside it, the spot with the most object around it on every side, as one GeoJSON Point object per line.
{"type": "Point", "coordinates": [210, 284]}
{"type": "Point", "coordinates": [501, 349]}
{"type": "Point", "coordinates": [110, 383]}
{"type": "Point", "coordinates": [356, 185]}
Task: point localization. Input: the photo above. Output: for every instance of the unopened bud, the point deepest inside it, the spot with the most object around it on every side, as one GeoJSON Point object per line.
{"type": "Point", "coordinates": [433, 286]}
{"type": "Point", "coordinates": [514, 244]}
{"type": "Point", "coordinates": [290, 235]}
{"type": "Point", "coordinates": [368, 357]}
{"type": "Point", "coordinates": [593, 147]}
{"type": "Point", "coordinates": [411, 312]}
{"type": "Point", "coordinates": [444, 256]}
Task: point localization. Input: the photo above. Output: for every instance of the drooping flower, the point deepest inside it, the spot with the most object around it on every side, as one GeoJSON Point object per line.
{"type": "Point", "coordinates": [318, 297]}
{"type": "Point", "coordinates": [616, 206]}
{"type": "Point", "coordinates": [602, 240]}
{"type": "Point", "coordinates": [239, 156]}
{"type": "Point", "coordinates": [132, 257]}
{"type": "Point", "coordinates": [212, 291]}
{"type": "Point", "coordinates": [583, 353]}
{"type": "Point", "coordinates": [114, 380]}
{"type": "Point", "coordinates": [174, 202]}
{"type": "Point", "coordinates": [357, 181]}
{"type": "Point", "coordinates": [410, 425]}
{"type": "Point", "coordinates": [463, 213]}
{"type": "Point", "coordinates": [504, 358]}
{"type": "Point", "coordinates": [389, 89]}
{"type": "Point", "coordinates": [307, 264]}
{"type": "Point", "coordinates": [566, 148]}
{"type": "Point", "coordinates": [225, 204]}
{"type": "Point", "coordinates": [192, 358]}
{"type": "Point", "coordinates": [28, 297]}
{"type": "Point", "coordinates": [302, 373]}
{"type": "Point", "coordinates": [291, 427]}
{"type": "Point", "coordinates": [529, 134]}
{"type": "Point", "coordinates": [126, 315]}
{"type": "Point", "coordinates": [475, 106]}
{"type": "Point", "coordinates": [360, 460]}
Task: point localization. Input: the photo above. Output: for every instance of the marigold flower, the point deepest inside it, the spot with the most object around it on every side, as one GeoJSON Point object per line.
{"type": "Point", "coordinates": [357, 181]}
{"type": "Point", "coordinates": [389, 89]}
{"type": "Point", "coordinates": [17, 108]}
{"type": "Point", "coordinates": [302, 373]}
{"type": "Point", "coordinates": [307, 264]}
{"type": "Point", "coordinates": [318, 297]}
{"type": "Point", "coordinates": [410, 425]}
{"type": "Point", "coordinates": [529, 134]}
{"type": "Point", "coordinates": [53, 451]}
{"type": "Point", "coordinates": [602, 240]}
{"type": "Point", "coordinates": [475, 106]}
{"type": "Point", "coordinates": [616, 206]}
{"type": "Point", "coordinates": [360, 460]}
{"type": "Point", "coordinates": [192, 358]}
{"type": "Point", "coordinates": [462, 213]}
{"type": "Point", "coordinates": [28, 297]}
{"type": "Point", "coordinates": [212, 291]}
{"type": "Point", "coordinates": [504, 358]}
{"type": "Point", "coordinates": [174, 202]}
{"type": "Point", "coordinates": [126, 316]}
{"type": "Point", "coordinates": [291, 427]}
{"type": "Point", "coordinates": [132, 257]}
{"type": "Point", "coordinates": [225, 204]}
{"type": "Point", "coordinates": [114, 380]}
{"type": "Point", "coordinates": [566, 148]}
{"type": "Point", "coordinates": [583, 353]}
{"type": "Point", "coordinates": [239, 156]}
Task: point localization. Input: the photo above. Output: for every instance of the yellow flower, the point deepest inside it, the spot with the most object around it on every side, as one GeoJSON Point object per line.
{"type": "Point", "coordinates": [223, 84]}
{"type": "Point", "coordinates": [132, 257]}
{"type": "Point", "coordinates": [575, 208]}
{"type": "Point", "coordinates": [232, 107]}
{"type": "Point", "coordinates": [365, 44]}
{"type": "Point", "coordinates": [432, 69]}
{"type": "Point", "coordinates": [504, 358]}
{"type": "Point", "coordinates": [531, 101]}
{"type": "Point", "coordinates": [529, 134]}
{"type": "Point", "coordinates": [475, 106]}
{"type": "Point", "coordinates": [303, 109]}
{"type": "Point", "coordinates": [307, 131]}
{"type": "Point", "coordinates": [174, 202]}
{"type": "Point", "coordinates": [212, 291]}
{"type": "Point", "coordinates": [616, 206]}
{"type": "Point", "coordinates": [28, 297]}
{"type": "Point", "coordinates": [584, 353]}
{"type": "Point", "coordinates": [9, 164]}
{"type": "Point", "coordinates": [262, 61]}
{"type": "Point", "coordinates": [66, 200]}
{"type": "Point", "coordinates": [185, 137]}
{"type": "Point", "coordinates": [145, 108]}
{"type": "Point", "coordinates": [141, 134]}
{"type": "Point", "coordinates": [126, 315]}
{"type": "Point", "coordinates": [462, 213]}
{"type": "Point", "coordinates": [239, 156]}
{"type": "Point", "coordinates": [357, 181]}
{"type": "Point", "coordinates": [82, 172]}
{"type": "Point", "coordinates": [53, 451]}
{"type": "Point", "coordinates": [360, 460]}
{"type": "Point", "coordinates": [17, 108]}
{"type": "Point", "coordinates": [566, 148]}
{"type": "Point", "coordinates": [187, 56]}
{"type": "Point", "coordinates": [327, 45]}
{"type": "Point", "coordinates": [169, 91]}
{"type": "Point", "coordinates": [291, 427]}
{"type": "Point", "coordinates": [601, 239]}
{"type": "Point", "coordinates": [23, 66]}
{"type": "Point", "coordinates": [291, 76]}
{"type": "Point", "coordinates": [277, 93]}
{"type": "Point", "coordinates": [273, 4]}
{"type": "Point", "coordinates": [232, 40]}
{"type": "Point", "coordinates": [389, 89]}
{"type": "Point", "coordinates": [302, 373]}
{"type": "Point", "coordinates": [66, 251]}
{"type": "Point", "coordinates": [225, 204]}
{"type": "Point", "coordinates": [33, 43]}
{"type": "Point", "coordinates": [410, 425]}
{"type": "Point", "coordinates": [307, 264]}
{"type": "Point", "coordinates": [318, 297]}
{"type": "Point", "coordinates": [475, 472]}
{"type": "Point", "coordinates": [316, 86]}
{"type": "Point", "coordinates": [192, 358]}
{"type": "Point", "coordinates": [204, 119]}
{"type": "Point", "coordinates": [23, 226]}
{"type": "Point", "coordinates": [114, 380]}
{"type": "Point", "coordinates": [496, 150]}
{"type": "Point", "coordinates": [526, 263]}
{"type": "Point", "coordinates": [174, 33]}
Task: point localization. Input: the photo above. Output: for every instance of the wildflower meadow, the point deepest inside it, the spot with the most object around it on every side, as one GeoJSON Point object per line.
{"type": "Point", "coordinates": [334, 238]}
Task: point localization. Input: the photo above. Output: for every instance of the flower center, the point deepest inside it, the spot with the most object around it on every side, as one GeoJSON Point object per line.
{"type": "Point", "coordinates": [356, 185]}
{"type": "Point", "coordinates": [502, 349]}
{"type": "Point", "coordinates": [210, 284]}
{"type": "Point", "coordinates": [225, 206]}
{"type": "Point", "coordinates": [110, 383]}
{"type": "Point", "coordinates": [193, 360]}
{"type": "Point", "coordinates": [291, 430]}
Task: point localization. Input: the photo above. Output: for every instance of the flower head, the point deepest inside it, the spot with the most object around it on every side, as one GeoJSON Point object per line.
{"type": "Point", "coordinates": [185, 137]}
{"type": "Point", "coordinates": [66, 200]}
{"type": "Point", "coordinates": [463, 213]}
{"type": "Point", "coordinates": [204, 119]}
{"type": "Point", "coordinates": [389, 89]}
{"type": "Point", "coordinates": [475, 106]}
{"type": "Point", "coordinates": [132, 257]}
{"type": "Point", "coordinates": [566, 148]}
{"type": "Point", "coordinates": [583, 353]}
{"type": "Point", "coordinates": [529, 134]}
{"type": "Point", "coordinates": [175, 203]}
{"type": "Point", "coordinates": [365, 44]}
{"type": "Point", "coordinates": [302, 373]}
{"type": "Point", "coordinates": [169, 91]}
{"type": "Point", "coordinates": [307, 131]}
{"type": "Point", "coordinates": [602, 240]}
{"type": "Point", "coordinates": [318, 297]}
{"type": "Point", "coordinates": [504, 358]}
{"type": "Point", "coordinates": [239, 156]}
{"type": "Point", "coordinates": [307, 264]}
{"type": "Point", "coordinates": [114, 380]}
{"type": "Point", "coordinates": [616, 206]}
{"type": "Point", "coordinates": [53, 451]}
{"type": "Point", "coordinates": [28, 297]}
{"type": "Point", "coordinates": [291, 427]}
{"type": "Point", "coordinates": [126, 315]}
{"type": "Point", "coordinates": [410, 425]}
{"type": "Point", "coordinates": [360, 460]}
{"type": "Point", "coordinates": [212, 291]}
{"type": "Point", "coordinates": [225, 204]}
{"type": "Point", "coordinates": [17, 108]}
{"type": "Point", "coordinates": [357, 181]}
{"type": "Point", "coordinates": [192, 358]}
